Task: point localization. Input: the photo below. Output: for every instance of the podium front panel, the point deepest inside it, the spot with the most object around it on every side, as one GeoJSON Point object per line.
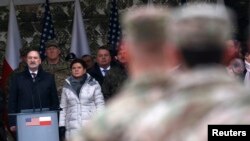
{"type": "Point", "coordinates": [37, 126]}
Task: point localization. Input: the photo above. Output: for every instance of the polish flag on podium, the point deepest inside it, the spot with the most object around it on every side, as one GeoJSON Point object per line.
{"type": "Point", "coordinates": [38, 121]}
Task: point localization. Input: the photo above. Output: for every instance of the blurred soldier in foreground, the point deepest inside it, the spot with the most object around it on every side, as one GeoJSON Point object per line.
{"type": "Point", "coordinates": [54, 64]}
{"type": "Point", "coordinates": [203, 94]}
{"type": "Point", "coordinates": [145, 40]}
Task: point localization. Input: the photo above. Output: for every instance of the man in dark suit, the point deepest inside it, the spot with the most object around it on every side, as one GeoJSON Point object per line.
{"type": "Point", "coordinates": [103, 64]}
{"type": "Point", "coordinates": [2, 129]}
{"type": "Point", "coordinates": [31, 89]}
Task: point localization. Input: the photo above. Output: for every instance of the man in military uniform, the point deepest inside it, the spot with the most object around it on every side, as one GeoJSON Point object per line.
{"type": "Point", "coordinates": [179, 106]}
{"type": "Point", "coordinates": [55, 64]}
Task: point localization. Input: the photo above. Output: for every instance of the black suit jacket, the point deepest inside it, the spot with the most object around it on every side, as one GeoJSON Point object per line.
{"type": "Point", "coordinates": [26, 94]}
{"type": "Point", "coordinates": [96, 73]}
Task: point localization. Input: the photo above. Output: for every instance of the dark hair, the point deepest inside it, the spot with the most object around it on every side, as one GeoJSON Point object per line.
{"type": "Point", "coordinates": [78, 61]}
{"type": "Point", "coordinates": [104, 47]}
{"type": "Point", "coordinates": [32, 49]}
{"type": "Point", "coordinates": [202, 55]}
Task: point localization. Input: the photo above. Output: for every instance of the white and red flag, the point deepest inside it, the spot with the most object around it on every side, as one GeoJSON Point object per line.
{"type": "Point", "coordinates": [12, 55]}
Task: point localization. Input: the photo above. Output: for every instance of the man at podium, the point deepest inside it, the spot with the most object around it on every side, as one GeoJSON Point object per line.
{"type": "Point", "coordinates": [31, 89]}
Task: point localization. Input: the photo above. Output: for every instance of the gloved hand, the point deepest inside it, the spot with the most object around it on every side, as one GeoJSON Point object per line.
{"type": "Point", "coordinates": [62, 131]}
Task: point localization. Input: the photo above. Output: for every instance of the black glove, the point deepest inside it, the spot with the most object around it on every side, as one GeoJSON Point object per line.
{"type": "Point", "coordinates": [62, 131]}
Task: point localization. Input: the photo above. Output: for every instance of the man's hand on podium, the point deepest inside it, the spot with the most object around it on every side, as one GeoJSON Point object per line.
{"type": "Point", "coordinates": [13, 128]}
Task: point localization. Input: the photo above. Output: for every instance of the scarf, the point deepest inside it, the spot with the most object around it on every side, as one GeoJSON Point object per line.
{"type": "Point", "coordinates": [77, 83]}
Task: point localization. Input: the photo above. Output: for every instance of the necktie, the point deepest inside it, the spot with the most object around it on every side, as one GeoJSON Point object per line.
{"type": "Point", "coordinates": [33, 76]}
{"type": "Point", "coordinates": [105, 71]}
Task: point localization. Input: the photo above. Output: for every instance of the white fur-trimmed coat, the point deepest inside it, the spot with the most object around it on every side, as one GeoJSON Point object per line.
{"type": "Point", "coordinates": [76, 112]}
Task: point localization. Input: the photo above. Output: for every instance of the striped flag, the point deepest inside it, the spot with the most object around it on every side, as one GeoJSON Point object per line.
{"type": "Point", "coordinates": [79, 42]}
{"type": "Point", "coordinates": [38, 121]}
{"type": "Point", "coordinates": [47, 30]}
{"type": "Point", "coordinates": [12, 55]}
{"type": "Point", "coordinates": [114, 33]}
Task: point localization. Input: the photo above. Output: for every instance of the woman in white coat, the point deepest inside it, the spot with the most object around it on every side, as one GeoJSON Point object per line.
{"type": "Point", "coordinates": [81, 98]}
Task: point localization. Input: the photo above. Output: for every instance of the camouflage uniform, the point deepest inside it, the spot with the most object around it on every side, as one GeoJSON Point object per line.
{"type": "Point", "coordinates": [61, 71]}
{"type": "Point", "coordinates": [113, 81]}
{"type": "Point", "coordinates": [172, 108]}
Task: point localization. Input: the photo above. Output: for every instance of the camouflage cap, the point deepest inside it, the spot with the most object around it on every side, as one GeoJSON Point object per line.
{"type": "Point", "coordinates": [146, 24]}
{"type": "Point", "coordinates": [201, 23]}
{"type": "Point", "coordinates": [50, 43]}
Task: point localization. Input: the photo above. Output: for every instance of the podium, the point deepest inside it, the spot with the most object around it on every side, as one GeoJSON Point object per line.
{"type": "Point", "coordinates": [37, 126]}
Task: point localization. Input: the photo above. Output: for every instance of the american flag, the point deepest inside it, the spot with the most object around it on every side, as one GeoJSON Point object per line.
{"type": "Point", "coordinates": [47, 30]}
{"type": "Point", "coordinates": [114, 33]}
